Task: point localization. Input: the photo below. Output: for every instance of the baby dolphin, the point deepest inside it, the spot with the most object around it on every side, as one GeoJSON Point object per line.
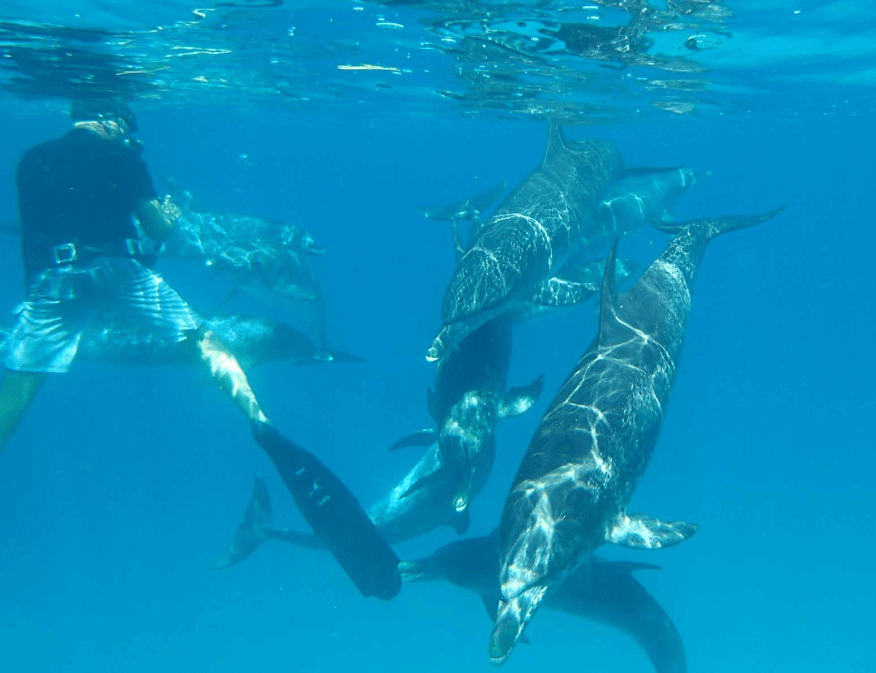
{"type": "Point", "coordinates": [469, 398]}
{"type": "Point", "coordinates": [594, 443]}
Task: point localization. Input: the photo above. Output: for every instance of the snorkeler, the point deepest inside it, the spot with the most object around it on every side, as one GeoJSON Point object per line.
{"type": "Point", "coordinates": [83, 259]}
{"type": "Point", "coordinates": [84, 266]}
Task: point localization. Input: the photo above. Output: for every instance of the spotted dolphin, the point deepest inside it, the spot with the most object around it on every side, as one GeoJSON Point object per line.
{"type": "Point", "coordinates": [571, 491]}
{"type": "Point", "coordinates": [635, 201]}
{"type": "Point", "coordinates": [264, 258]}
{"type": "Point", "coordinates": [468, 400]}
{"type": "Point", "coordinates": [602, 591]}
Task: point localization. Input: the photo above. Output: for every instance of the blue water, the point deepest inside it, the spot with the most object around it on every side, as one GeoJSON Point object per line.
{"type": "Point", "coordinates": [124, 484]}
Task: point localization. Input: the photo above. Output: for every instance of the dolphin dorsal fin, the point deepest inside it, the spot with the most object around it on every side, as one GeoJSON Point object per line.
{"type": "Point", "coordinates": [556, 140]}
{"type": "Point", "coordinates": [609, 294]}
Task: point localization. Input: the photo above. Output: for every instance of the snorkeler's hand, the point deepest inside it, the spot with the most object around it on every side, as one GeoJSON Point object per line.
{"type": "Point", "coordinates": [170, 210]}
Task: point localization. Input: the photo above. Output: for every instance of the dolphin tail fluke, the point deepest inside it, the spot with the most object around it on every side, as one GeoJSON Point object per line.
{"type": "Point", "coordinates": [334, 514]}
{"type": "Point", "coordinates": [425, 437]}
{"type": "Point", "coordinates": [718, 225]}
{"type": "Point", "coordinates": [255, 529]}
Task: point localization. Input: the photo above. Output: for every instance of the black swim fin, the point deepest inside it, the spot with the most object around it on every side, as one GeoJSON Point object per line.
{"type": "Point", "coordinates": [334, 514]}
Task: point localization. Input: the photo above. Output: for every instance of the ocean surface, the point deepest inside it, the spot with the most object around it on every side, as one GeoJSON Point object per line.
{"type": "Point", "coordinates": [124, 484]}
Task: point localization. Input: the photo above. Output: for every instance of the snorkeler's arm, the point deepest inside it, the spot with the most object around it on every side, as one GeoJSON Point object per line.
{"type": "Point", "coordinates": [156, 218]}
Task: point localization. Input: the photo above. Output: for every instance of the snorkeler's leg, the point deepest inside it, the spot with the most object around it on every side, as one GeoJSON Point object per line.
{"type": "Point", "coordinates": [16, 392]}
{"type": "Point", "coordinates": [228, 374]}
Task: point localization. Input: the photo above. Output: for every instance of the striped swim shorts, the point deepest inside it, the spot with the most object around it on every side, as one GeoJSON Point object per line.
{"type": "Point", "coordinates": [62, 302]}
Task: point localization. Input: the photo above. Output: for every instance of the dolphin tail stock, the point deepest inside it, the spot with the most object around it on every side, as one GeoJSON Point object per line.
{"type": "Point", "coordinates": [614, 597]}
{"type": "Point", "coordinates": [423, 438]}
{"type": "Point", "coordinates": [715, 226]}
{"type": "Point", "coordinates": [335, 515]}
{"type": "Point", "coordinates": [255, 528]}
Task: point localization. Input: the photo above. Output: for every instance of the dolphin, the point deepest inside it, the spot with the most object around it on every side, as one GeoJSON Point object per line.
{"type": "Point", "coordinates": [266, 259]}
{"type": "Point", "coordinates": [469, 398]}
{"type": "Point", "coordinates": [594, 443]}
{"type": "Point", "coordinates": [253, 340]}
{"type": "Point", "coordinates": [465, 210]}
{"type": "Point", "coordinates": [603, 591]}
{"type": "Point", "coordinates": [517, 257]}
{"type": "Point", "coordinates": [633, 202]}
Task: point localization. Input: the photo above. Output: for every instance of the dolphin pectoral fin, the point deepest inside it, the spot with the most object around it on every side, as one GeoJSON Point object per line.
{"type": "Point", "coordinates": [425, 437]}
{"type": "Point", "coordinates": [558, 292]}
{"type": "Point", "coordinates": [255, 529]}
{"type": "Point", "coordinates": [334, 514]}
{"type": "Point", "coordinates": [520, 400]}
{"type": "Point", "coordinates": [461, 521]}
{"type": "Point", "coordinates": [639, 531]}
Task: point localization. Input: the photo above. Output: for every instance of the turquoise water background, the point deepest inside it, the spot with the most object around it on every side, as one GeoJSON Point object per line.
{"type": "Point", "coordinates": [124, 484]}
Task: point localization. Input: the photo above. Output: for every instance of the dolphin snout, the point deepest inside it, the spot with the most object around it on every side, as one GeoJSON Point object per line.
{"type": "Point", "coordinates": [511, 619]}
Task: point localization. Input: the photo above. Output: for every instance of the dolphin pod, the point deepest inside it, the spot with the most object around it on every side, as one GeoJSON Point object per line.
{"type": "Point", "coordinates": [596, 439]}
{"type": "Point", "coordinates": [591, 448]}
